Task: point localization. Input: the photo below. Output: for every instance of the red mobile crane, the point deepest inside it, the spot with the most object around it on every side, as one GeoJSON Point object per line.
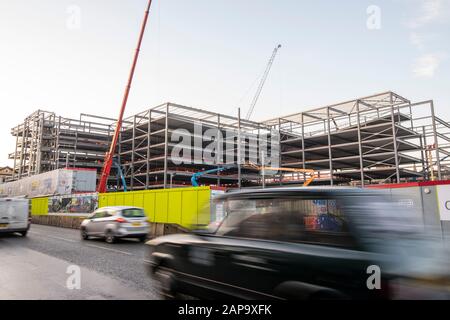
{"type": "Point", "coordinates": [108, 162]}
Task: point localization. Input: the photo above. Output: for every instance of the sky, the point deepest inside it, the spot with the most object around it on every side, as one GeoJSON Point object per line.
{"type": "Point", "coordinates": [73, 57]}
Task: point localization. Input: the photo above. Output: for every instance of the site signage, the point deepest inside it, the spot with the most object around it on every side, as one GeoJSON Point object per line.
{"type": "Point", "coordinates": [443, 194]}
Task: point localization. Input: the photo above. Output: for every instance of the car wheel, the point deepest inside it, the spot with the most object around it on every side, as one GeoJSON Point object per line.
{"type": "Point", "coordinates": [167, 285]}
{"type": "Point", "coordinates": [143, 239]}
{"type": "Point", "coordinates": [23, 233]}
{"type": "Point", "coordinates": [109, 237]}
{"type": "Point", "coordinates": [84, 234]}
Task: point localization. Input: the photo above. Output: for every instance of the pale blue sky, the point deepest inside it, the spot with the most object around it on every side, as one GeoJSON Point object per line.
{"type": "Point", "coordinates": [208, 53]}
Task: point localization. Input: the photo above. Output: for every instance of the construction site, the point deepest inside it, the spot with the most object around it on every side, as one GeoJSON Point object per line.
{"type": "Point", "coordinates": [318, 189]}
{"type": "Point", "coordinates": [379, 139]}
{"type": "Point", "coordinates": [384, 138]}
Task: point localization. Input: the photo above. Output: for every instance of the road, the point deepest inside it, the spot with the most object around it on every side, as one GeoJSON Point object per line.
{"type": "Point", "coordinates": [35, 267]}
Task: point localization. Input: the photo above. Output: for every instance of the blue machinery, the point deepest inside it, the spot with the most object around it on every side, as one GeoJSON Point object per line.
{"type": "Point", "coordinates": [196, 176]}
{"type": "Point", "coordinates": [120, 175]}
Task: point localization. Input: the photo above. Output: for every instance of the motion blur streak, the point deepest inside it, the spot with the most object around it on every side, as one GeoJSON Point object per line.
{"type": "Point", "coordinates": [305, 243]}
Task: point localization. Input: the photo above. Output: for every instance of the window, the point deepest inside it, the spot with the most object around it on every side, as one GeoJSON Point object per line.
{"type": "Point", "coordinates": [315, 221]}
{"type": "Point", "coordinates": [109, 213]}
{"type": "Point", "coordinates": [133, 213]}
{"type": "Point", "coordinates": [99, 215]}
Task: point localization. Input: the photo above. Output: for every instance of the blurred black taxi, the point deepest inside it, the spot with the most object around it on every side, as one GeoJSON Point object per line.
{"type": "Point", "coordinates": [304, 243]}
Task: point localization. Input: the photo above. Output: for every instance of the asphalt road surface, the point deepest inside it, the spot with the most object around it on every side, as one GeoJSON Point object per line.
{"type": "Point", "coordinates": [39, 267]}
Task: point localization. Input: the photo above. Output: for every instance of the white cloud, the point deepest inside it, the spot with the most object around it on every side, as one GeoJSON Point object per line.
{"type": "Point", "coordinates": [427, 65]}
{"type": "Point", "coordinates": [417, 40]}
{"type": "Point", "coordinates": [430, 11]}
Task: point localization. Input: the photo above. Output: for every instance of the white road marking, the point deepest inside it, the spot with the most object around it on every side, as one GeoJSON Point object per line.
{"type": "Point", "coordinates": [53, 237]}
{"type": "Point", "coordinates": [63, 239]}
{"type": "Point", "coordinates": [109, 249]}
{"type": "Point", "coordinates": [87, 245]}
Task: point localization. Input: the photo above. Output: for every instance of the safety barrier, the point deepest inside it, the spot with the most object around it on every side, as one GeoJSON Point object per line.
{"type": "Point", "coordinates": [184, 206]}
{"type": "Point", "coordinates": [58, 221]}
{"type": "Point", "coordinates": [39, 206]}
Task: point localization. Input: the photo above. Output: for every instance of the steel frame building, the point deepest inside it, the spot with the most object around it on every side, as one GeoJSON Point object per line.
{"type": "Point", "coordinates": [376, 139]}
{"type": "Point", "coordinates": [45, 142]}
{"type": "Point", "coordinates": [146, 147]}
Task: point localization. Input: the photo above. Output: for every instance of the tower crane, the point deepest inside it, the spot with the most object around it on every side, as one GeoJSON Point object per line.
{"type": "Point", "coordinates": [263, 81]}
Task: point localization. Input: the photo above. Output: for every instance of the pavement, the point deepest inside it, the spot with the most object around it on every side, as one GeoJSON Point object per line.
{"type": "Point", "coordinates": [41, 265]}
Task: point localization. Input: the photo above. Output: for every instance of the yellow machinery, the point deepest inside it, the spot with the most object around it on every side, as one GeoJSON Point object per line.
{"type": "Point", "coordinates": [292, 170]}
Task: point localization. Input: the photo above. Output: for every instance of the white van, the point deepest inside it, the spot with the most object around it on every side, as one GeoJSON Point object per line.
{"type": "Point", "coordinates": [15, 215]}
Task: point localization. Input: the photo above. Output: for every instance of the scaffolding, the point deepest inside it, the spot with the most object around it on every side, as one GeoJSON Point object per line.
{"type": "Point", "coordinates": [377, 139]}
{"type": "Point", "coordinates": [383, 138]}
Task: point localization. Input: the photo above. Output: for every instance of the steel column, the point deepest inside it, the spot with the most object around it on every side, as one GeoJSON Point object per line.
{"type": "Point", "coordinates": [436, 141]}
{"type": "Point", "coordinates": [149, 127]}
{"type": "Point", "coordinates": [133, 148]}
{"type": "Point", "coordinates": [361, 160]}
{"type": "Point", "coordinates": [303, 146]}
{"type": "Point", "coordinates": [422, 137]}
{"type": "Point", "coordinates": [239, 159]}
{"type": "Point", "coordinates": [166, 147]}
{"type": "Point", "coordinates": [329, 148]}
{"type": "Point", "coordinates": [394, 138]}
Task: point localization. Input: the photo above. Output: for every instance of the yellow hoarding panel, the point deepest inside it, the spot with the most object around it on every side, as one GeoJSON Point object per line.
{"type": "Point", "coordinates": [190, 209]}
{"type": "Point", "coordinates": [39, 206]}
{"type": "Point", "coordinates": [139, 199]}
{"type": "Point", "coordinates": [149, 205]}
{"type": "Point", "coordinates": [161, 207]}
{"type": "Point", "coordinates": [128, 199]}
{"type": "Point", "coordinates": [177, 206]}
{"type": "Point", "coordinates": [175, 212]}
{"type": "Point", "coordinates": [203, 204]}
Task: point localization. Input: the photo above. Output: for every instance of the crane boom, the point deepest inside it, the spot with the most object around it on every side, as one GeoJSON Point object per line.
{"type": "Point", "coordinates": [196, 176]}
{"type": "Point", "coordinates": [263, 81]}
{"type": "Point", "coordinates": [108, 162]}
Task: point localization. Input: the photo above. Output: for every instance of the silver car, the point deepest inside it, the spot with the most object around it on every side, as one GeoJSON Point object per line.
{"type": "Point", "coordinates": [112, 223]}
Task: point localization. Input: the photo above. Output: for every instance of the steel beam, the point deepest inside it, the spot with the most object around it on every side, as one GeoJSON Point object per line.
{"type": "Point", "coordinates": [436, 141]}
